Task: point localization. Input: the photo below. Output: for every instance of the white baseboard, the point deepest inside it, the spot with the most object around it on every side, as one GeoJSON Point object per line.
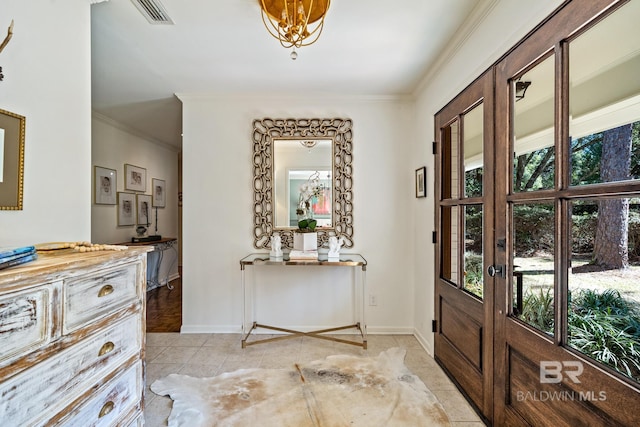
{"type": "Point", "coordinates": [209, 329]}
{"type": "Point", "coordinates": [423, 342]}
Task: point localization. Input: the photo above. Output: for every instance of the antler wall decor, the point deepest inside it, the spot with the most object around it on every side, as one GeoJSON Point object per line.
{"type": "Point", "coordinates": [4, 43]}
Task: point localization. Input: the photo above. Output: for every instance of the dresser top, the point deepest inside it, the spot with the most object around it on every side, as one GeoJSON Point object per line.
{"type": "Point", "coordinates": [51, 265]}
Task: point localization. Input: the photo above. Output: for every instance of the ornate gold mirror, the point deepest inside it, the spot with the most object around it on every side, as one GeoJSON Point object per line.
{"type": "Point", "coordinates": [11, 160]}
{"type": "Point", "coordinates": [290, 152]}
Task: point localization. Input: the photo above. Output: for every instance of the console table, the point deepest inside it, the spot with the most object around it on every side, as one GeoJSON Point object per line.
{"type": "Point", "coordinates": [346, 260]}
{"type": "Point", "coordinates": [154, 260]}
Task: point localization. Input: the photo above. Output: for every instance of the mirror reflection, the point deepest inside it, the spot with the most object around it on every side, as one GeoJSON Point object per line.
{"type": "Point", "coordinates": [302, 181]}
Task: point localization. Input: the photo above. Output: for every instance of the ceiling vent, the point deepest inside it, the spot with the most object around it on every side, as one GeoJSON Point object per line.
{"type": "Point", "coordinates": [154, 11]}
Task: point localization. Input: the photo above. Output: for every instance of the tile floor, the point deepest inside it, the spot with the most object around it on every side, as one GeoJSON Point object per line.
{"type": "Point", "coordinates": [207, 355]}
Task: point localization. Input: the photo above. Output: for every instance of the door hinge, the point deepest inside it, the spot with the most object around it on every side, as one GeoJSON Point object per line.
{"type": "Point", "coordinates": [434, 237]}
{"type": "Point", "coordinates": [434, 326]}
{"type": "Point", "coordinates": [435, 147]}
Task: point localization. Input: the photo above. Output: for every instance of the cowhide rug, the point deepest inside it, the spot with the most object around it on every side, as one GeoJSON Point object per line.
{"type": "Point", "coordinates": [337, 391]}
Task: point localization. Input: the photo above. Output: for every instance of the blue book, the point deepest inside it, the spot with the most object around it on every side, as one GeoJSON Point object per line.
{"type": "Point", "coordinates": [8, 254]}
{"type": "Point", "coordinates": [20, 260]}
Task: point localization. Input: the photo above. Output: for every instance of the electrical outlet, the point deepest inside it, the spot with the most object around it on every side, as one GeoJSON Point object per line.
{"type": "Point", "coordinates": [373, 300]}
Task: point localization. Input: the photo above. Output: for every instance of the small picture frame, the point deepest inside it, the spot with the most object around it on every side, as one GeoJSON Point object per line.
{"type": "Point", "coordinates": [159, 191]}
{"type": "Point", "coordinates": [135, 178]}
{"type": "Point", "coordinates": [143, 210]}
{"type": "Point", "coordinates": [126, 208]}
{"type": "Point", "coordinates": [421, 182]}
{"type": "Point", "coordinates": [105, 187]}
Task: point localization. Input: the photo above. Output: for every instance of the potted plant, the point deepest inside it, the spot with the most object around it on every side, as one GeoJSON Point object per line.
{"type": "Point", "coordinates": [305, 237]}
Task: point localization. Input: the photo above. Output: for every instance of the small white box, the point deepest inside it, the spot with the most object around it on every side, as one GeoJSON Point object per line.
{"type": "Point", "coordinates": [305, 241]}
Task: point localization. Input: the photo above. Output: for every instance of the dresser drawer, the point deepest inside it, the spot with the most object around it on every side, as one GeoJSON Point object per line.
{"type": "Point", "coordinates": [112, 402]}
{"type": "Point", "coordinates": [47, 387]}
{"type": "Point", "coordinates": [98, 294]}
{"type": "Point", "coordinates": [26, 321]}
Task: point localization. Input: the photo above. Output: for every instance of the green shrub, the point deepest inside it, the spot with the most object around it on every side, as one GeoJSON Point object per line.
{"type": "Point", "coordinates": [606, 326]}
{"type": "Point", "coordinates": [602, 324]}
{"type": "Point", "coordinates": [583, 231]}
{"type": "Point", "coordinates": [610, 301]}
{"type": "Point", "coordinates": [604, 337]}
{"type": "Point", "coordinates": [473, 273]}
{"type": "Point", "coordinates": [537, 309]}
{"type": "Point", "coordinates": [534, 229]}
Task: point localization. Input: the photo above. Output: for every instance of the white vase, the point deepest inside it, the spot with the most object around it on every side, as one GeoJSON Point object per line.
{"type": "Point", "coordinates": [305, 241]}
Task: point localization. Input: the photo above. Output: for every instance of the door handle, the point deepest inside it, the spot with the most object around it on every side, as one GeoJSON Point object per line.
{"type": "Point", "coordinates": [500, 270]}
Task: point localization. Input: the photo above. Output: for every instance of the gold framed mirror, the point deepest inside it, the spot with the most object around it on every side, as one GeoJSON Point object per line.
{"type": "Point", "coordinates": [12, 127]}
{"type": "Point", "coordinates": [333, 137]}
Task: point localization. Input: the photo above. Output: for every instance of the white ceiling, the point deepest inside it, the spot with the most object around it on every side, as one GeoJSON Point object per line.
{"type": "Point", "coordinates": [220, 47]}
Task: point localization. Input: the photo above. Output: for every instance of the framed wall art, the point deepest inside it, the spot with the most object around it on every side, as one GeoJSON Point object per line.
{"type": "Point", "coordinates": [104, 188]}
{"type": "Point", "coordinates": [12, 127]}
{"type": "Point", "coordinates": [135, 178]}
{"type": "Point", "coordinates": [143, 209]}
{"type": "Point", "coordinates": [159, 189]}
{"type": "Point", "coordinates": [421, 182]}
{"type": "Point", "coordinates": [126, 208]}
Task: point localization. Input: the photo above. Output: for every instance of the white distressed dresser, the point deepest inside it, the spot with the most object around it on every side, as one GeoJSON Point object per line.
{"type": "Point", "coordinates": [72, 335]}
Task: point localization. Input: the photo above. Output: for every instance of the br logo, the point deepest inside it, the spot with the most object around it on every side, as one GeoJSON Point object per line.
{"type": "Point", "coordinates": [552, 371]}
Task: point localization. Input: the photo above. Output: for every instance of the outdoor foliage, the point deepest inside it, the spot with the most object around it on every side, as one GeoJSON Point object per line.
{"type": "Point", "coordinates": [473, 273]}
{"type": "Point", "coordinates": [534, 231]}
{"type": "Point", "coordinates": [606, 326]}
{"type": "Point", "coordinates": [602, 324]}
{"type": "Point", "coordinates": [584, 220]}
{"type": "Point", "coordinates": [535, 170]}
{"type": "Point", "coordinates": [537, 309]}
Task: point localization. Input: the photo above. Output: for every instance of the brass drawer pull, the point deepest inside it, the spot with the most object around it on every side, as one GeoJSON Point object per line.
{"type": "Point", "coordinates": [106, 348]}
{"type": "Point", "coordinates": [106, 290]}
{"type": "Point", "coordinates": [108, 407]}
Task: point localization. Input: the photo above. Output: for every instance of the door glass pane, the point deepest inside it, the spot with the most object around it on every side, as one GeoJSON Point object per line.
{"type": "Point", "coordinates": [604, 282]}
{"type": "Point", "coordinates": [533, 127]}
{"type": "Point", "coordinates": [473, 266]}
{"type": "Point", "coordinates": [473, 152]}
{"type": "Point", "coordinates": [450, 243]}
{"type": "Point", "coordinates": [604, 96]}
{"type": "Point", "coordinates": [450, 156]}
{"type": "Point", "coordinates": [533, 263]}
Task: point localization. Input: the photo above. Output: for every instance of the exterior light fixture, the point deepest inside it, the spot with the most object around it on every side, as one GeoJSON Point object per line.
{"type": "Point", "coordinates": [521, 89]}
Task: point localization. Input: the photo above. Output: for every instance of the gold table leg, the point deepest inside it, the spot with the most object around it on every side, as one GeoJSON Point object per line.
{"type": "Point", "coordinates": [312, 334]}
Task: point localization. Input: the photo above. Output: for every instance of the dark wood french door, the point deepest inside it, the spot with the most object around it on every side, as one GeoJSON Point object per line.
{"type": "Point", "coordinates": [464, 293]}
{"type": "Point", "coordinates": [537, 294]}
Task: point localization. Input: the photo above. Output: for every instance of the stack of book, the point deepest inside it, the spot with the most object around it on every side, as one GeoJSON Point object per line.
{"type": "Point", "coordinates": [296, 255]}
{"type": "Point", "coordinates": [16, 256]}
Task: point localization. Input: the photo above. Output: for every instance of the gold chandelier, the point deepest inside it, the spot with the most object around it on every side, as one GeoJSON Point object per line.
{"type": "Point", "coordinates": [295, 23]}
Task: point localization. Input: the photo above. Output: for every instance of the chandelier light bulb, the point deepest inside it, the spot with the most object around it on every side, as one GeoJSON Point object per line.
{"type": "Point", "coordinates": [294, 54]}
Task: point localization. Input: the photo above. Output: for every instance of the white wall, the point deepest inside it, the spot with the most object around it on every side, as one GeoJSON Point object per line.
{"type": "Point", "coordinates": [217, 216]}
{"type": "Point", "coordinates": [48, 80]}
{"type": "Point", "coordinates": [112, 147]}
{"type": "Point", "coordinates": [467, 58]}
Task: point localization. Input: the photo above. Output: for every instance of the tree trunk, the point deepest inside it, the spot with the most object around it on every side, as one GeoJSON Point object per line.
{"type": "Point", "coordinates": [611, 246]}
